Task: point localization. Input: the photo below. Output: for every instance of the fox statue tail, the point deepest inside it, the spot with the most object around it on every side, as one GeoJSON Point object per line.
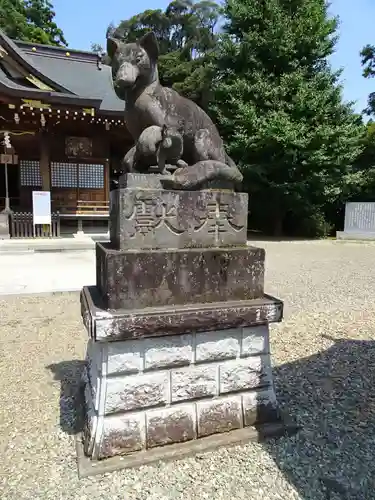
{"type": "Point", "coordinates": [201, 173]}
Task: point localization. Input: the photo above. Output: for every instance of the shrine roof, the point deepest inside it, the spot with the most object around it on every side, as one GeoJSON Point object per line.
{"type": "Point", "coordinates": [57, 74]}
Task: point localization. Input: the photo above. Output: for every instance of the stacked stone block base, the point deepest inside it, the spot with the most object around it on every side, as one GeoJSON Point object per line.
{"type": "Point", "coordinates": [178, 325]}
{"type": "Point", "coordinates": [152, 392]}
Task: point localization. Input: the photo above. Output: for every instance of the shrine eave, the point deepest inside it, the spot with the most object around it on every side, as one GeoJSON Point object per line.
{"type": "Point", "coordinates": [72, 77]}
{"type": "Point", "coordinates": [12, 89]}
{"type": "Point", "coordinates": [16, 53]}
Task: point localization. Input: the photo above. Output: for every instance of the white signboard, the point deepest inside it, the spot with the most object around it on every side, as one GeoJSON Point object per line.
{"type": "Point", "coordinates": [41, 207]}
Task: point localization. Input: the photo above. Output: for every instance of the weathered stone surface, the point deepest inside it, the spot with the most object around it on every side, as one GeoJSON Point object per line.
{"type": "Point", "coordinates": [175, 404]}
{"type": "Point", "coordinates": [148, 104]}
{"type": "Point", "coordinates": [124, 357]}
{"type": "Point", "coordinates": [255, 340]}
{"type": "Point", "coordinates": [91, 377]}
{"type": "Point", "coordinates": [135, 180]}
{"type": "Point", "coordinates": [91, 373]}
{"type": "Point", "coordinates": [103, 325]}
{"type": "Point", "coordinates": [170, 425]}
{"type": "Point", "coordinates": [177, 350]}
{"type": "Point", "coordinates": [156, 219]}
{"type": "Point", "coordinates": [222, 344]}
{"type": "Point", "coordinates": [166, 352]}
{"type": "Point", "coordinates": [205, 355]}
{"type": "Point", "coordinates": [122, 434]}
{"type": "Point", "coordinates": [135, 391]}
{"type": "Point", "coordinates": [90, 420]}
{"type": "Point", "coordinates": [205, 174]}
{"type": "Point", "coordinates": [243, 374]}
{"type": "Point", "coordinates": [139, 279]}
{"type": "Point", "coordinates": [219, 415]}
{"type": "Point", "coordinates": [260, 406]}
{"type": "Point", "coordinates": [132, 356]}
{"type": "Point", "coordinates": [359, 221]}
{"type": "Point", "coordinates": [4, 226]}
{"type": "Point", "coordinates": [194, 382]}
{"type": "Point", "coordinates": [93, 356]}
{"type": "Point", "coordinates": [360, 217]}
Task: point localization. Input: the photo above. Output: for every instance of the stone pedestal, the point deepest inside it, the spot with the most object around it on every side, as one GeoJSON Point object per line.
{"type": "Point", "coordinates": [178, 326]}
{"type": "Point", "coordinates": [4, 226]}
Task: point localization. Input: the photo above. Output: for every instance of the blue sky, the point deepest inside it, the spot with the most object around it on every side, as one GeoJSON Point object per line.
{"type": "Point", "coordinates": [83, 23]}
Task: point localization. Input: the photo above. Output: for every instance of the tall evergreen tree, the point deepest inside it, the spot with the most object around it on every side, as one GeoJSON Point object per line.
{"type": "Point", "coordinates": [280, 108]}
{"type": "Point", "coordinates": [30, 21]}
{"type": "Point", "coordinates": [368, 63]}
{"type": "Point", "coordinates": [186, 34]}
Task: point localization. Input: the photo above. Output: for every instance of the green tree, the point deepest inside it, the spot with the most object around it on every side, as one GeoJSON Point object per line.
{"type": "Point", "coordinates": [97, 48]}
{"type": "Point", "coordinates": [362, 185]}
{"type": "Point", "coordinates": [186, 35]}
{"type": "Point", "coordinates": [368, 63]}
{"type": "Point", "coordinates": [280, 109]}
{"type": "Point", "coordinates": [30, 21]}
{"type": "Point", "coordinates": [13, 18]}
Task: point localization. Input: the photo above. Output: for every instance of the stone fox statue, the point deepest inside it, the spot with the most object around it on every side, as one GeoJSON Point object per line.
{"type": "Point", "coordinates": [147, 103]}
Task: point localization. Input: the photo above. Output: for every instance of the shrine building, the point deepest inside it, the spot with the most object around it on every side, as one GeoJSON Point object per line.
{"type": "Point", "coordinates": [64, 125]}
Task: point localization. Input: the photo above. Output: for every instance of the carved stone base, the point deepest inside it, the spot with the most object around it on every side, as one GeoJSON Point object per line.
{"type": "Point", "coordinates": [135, 279]}
{"type": "Point", "coordinates": [147, 217]}
{"type": "Point", "coordinates": [178, 324]}
{"type": "Point", "coordinates": [151, 392]}
{"type": "Point", "coordinates": [105, 325]}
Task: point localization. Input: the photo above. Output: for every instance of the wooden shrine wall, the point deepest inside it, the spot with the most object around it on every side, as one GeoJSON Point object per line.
{"type": "Point", "coordinates": [82, 176]}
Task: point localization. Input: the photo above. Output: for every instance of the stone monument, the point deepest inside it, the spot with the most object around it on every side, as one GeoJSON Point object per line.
{"type": "Point", "coordinates": [178, 357]}
{"type": "Point", "coordinates": [359, 222]}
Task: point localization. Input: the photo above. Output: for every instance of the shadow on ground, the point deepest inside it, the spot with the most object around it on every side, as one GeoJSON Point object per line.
{"type": "Point", "coordinates": [69, 373]}
{"type": "Point", "coordinates": [332, 397]}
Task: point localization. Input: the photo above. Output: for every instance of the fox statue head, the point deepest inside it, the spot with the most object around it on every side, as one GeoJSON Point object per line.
{"type": "Point", "coordinates": [134, 65]}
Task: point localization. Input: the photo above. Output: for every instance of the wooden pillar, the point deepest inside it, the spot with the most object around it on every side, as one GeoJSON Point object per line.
{"type": "Point", "coordinates": [44, 162]}
{"type": "Point", "coordinates": [106, 179]}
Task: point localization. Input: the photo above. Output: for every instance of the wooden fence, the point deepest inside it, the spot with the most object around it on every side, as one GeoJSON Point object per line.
{"type": "Point", "coordinates": [21, 226]}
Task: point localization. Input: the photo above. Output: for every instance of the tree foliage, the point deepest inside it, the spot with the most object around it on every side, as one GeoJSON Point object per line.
{"type": "Point", "coordinates": [368, 63]}
{"type": "Point", "coordinates": [30, 21]}
{"type": "Point", "coordinates": [186, 35]}
{"type": "Point", "coordinates": [280, 109]}
{"type": "Point", "coordinates": [362, 187]}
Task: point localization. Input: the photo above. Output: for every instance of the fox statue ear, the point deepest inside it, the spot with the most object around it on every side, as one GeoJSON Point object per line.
{"type": "Point", "coordinates": [112, 46]}
{"type": "Point", "coordinates": [150, 44]}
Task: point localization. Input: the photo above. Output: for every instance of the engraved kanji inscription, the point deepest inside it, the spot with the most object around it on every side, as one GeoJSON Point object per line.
{"type": "Point", "coordinates": [221, 218]}
{"type": "Point", "coordinates": [144, 216]}
{"type": "Point", "coordinates": [217, 213]}
{"type": "Point", "coordinates": [156, 218]}
{"type": "Point", "coordinates": [360, 216]}
{"type": "Point", "coordinates": [151, 213]}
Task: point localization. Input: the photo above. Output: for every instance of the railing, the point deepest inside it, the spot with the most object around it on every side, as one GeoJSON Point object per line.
{"type": "Point", "coordinates": [21, 226]}
{"type": "Point", "coordinates": [85, 207]}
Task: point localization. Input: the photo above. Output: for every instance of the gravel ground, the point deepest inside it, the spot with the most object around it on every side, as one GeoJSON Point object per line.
{"type": "Point", "coordinates": [324, 357]}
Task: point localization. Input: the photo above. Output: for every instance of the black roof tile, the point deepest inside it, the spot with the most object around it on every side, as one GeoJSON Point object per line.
{"type": "Point", "coordinates": [73, 73]}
